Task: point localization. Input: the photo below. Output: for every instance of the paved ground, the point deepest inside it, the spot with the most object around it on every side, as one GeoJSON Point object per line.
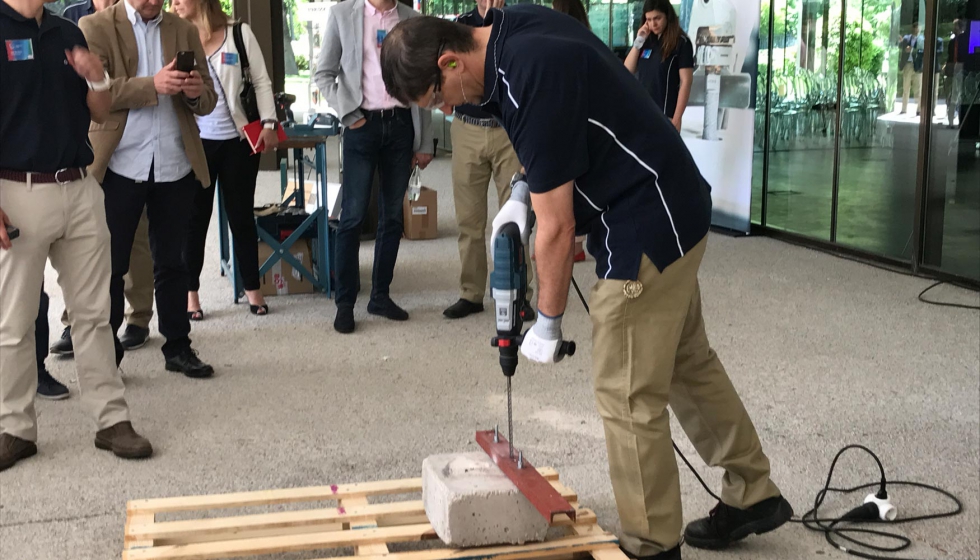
{"type": "Point", "coordinates": [824, 351]}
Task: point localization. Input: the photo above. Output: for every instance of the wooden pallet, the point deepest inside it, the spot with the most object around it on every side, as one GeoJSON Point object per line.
{"type": "Point", "coordinates": [354, 522]}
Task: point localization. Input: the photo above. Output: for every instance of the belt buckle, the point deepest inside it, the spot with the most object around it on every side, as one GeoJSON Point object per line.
{"type": "Point", "coordinates": [59, 181]}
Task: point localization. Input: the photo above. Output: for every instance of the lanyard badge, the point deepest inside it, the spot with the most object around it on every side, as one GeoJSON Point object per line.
{"type": "Point", "coordinates": [382, 33]}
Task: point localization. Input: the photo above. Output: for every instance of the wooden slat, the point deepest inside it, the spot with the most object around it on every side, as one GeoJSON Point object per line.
{"type": "Point", "coordinates": [306, 518]}
{"type": "Point", "coordinates": [275, 545]}
{"type": "Point", "coordinates": [138, 520]}
{"type": "Point", "coordinates": [372, 523]}
{"type": "Point", "coordinates": [599, 554]}
{"type": "Point", "coordinates": [555, 548]}
{"type": "Point", "coordinates": [288, 495]}
{"type": "Point", "coordinates": [308, 541]}
{"type": "Point", "coordinates": [256, 534]}
{"type": "Point", "coordinates": [318, 520]}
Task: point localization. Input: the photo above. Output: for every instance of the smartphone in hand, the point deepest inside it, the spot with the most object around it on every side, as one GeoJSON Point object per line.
{"type": "Point", "coordinates": [185, 61]}
{"type": "Point", "coordinates": [12, 232]}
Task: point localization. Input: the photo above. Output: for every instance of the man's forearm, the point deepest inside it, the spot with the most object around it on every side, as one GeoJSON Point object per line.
{"type": "Point", "coordinates": [99, 104]}
{"type": "Point", "coordinates": [553, 255]}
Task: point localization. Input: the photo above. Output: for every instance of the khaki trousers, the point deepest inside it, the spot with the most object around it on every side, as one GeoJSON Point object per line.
{"type": "Point", "coordinates": [479, 153]}
{"type": "Point", "coordinates": [649, 352]}
{"type": "Point", "coordinates": [139, 280]}
{"type": "Point", "coordinates": [911, 80]}
{"type": "Point", "coordinates": [67, 224]}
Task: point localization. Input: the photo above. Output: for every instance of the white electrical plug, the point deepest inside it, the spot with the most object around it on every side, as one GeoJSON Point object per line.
{"type": "Point", "coordinates": [886, 511]}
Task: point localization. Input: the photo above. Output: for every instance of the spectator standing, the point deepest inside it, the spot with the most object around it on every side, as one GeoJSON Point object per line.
{"type": "Point", "coordinates": [910, 64]}
{"type": "Point", "coordinates": [481, 149]}
{"type": "Point", "coordinates": [231, 162]}
{"type": "Point", "coordinates": [139, 280]}
{"type": "Point", "coordinates": [53, 86]}
{"type": "Point", "coordinates": [148, 153]}
{"type": "Point", "coordinates": [380, 134]}
{"type": "Point", "coordinates": [662, 58]}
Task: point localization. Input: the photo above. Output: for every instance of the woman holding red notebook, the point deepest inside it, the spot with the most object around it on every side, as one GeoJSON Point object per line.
{"type": "Point", "coordinates": [231, 50]}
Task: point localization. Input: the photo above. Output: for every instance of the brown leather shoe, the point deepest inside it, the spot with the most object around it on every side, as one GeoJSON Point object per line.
{"type": "Point", "coordinates": [13, 449]}
{"type": "Point", "coordinates": [124, 442]}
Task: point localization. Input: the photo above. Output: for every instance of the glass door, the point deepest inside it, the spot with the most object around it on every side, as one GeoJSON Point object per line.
{"type": "Point", "coordinates": [884, 52]}
{"type": "Point", "coordinates": [802, 101]}
{"type": "Point", "coordinates": [951, 225]}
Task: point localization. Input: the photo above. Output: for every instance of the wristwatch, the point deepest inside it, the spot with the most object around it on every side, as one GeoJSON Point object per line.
{"type": "Point", "coordinates": [100, 86]}
{"type": "Point", "coordinates": [269, 124]}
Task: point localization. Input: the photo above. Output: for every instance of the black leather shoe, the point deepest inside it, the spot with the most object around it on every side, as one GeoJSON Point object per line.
{"type": "Point", "coordinates": [344, 321]}
{"type": "Point", "coordinates": [63, 347]}
{"type": "Point", "coordinates": [188, 363]}
{"type": "Point", "coordinates": [50, 388]}
{"type": "Point", "coordinates": [134, 337]}
{"type": "Point", "coordinates": [527, 313]}
{"type": "Point", "coordinates": [13, 449]}
{"type": "Point", "coordinates": [725, 524]}
{"type": "Point", "coordinates": [462, 308]}
{"type": "Point", "coordinates": [387, 309]}
{"type": "Point", "coordinates": [672, 554]}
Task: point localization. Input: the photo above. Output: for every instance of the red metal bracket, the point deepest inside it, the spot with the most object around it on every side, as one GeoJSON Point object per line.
{"type": "Point", "coordinates": [528, 480]}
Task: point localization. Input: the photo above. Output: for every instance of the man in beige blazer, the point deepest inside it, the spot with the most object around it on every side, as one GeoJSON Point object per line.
{"type": "Point", "coordinates": [148, 155]}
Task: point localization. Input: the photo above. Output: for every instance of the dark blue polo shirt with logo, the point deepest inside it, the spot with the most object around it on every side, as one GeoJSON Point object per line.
{"type": "Point", "coordinates": [44, 115]}
{"type": "Point", "coordinates": [662, 77]}
{"type": "Point", "coordinates": [574, 113]}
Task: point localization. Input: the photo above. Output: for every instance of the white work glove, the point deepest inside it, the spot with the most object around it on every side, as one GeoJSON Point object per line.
{"type": "Point", "coordinates": [515, 209]}
{"type": "Point", "coordinates": [542, 343]}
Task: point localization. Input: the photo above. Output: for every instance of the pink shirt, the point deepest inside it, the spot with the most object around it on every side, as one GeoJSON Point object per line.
{"type": "Point", "coordinates": [376, 25]}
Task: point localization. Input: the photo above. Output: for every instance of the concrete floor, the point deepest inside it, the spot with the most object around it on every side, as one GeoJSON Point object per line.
{"type": "Point", "coordinates": [824, 351]}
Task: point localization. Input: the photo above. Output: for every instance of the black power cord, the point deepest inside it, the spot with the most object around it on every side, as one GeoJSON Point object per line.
{"type": "Point", "coordinates": [943, 303]}
{"type": "Point", "coordinates": [868, 513]}
{"type": "Point", "coordinates": [873, 510]}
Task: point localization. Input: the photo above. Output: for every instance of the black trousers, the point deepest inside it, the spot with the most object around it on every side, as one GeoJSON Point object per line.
{"type": "Point", "coordinates": [167, 207]}
{"type": "Point", "coordinates": [42, 331]}
{"type": "Point", "coordinates": [235, 169]}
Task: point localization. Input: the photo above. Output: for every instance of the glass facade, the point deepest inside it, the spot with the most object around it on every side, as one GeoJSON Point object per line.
{"type": "Point", "coordinates": [866, 132]}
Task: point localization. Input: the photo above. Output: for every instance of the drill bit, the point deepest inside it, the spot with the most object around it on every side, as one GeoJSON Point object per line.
{"type": "Point", "coordinates": [510, 422]}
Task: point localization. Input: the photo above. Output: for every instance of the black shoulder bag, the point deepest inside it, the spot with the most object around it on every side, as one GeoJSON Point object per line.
{"type": "Point", "coordinates": [249, 104]}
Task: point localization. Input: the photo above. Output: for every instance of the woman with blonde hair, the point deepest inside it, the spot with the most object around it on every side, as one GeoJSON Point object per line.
{"type": "Point", "coordinates": [233, 165]}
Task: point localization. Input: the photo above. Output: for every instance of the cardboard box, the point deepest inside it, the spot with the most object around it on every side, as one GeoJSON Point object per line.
{"type": "Point", "coordinates": [282, 279]}
{"type": "Point", "coordinates": [421, 216]}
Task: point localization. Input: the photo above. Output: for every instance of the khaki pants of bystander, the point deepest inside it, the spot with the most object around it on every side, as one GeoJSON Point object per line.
{"type": "Point", "coordinates": [67, 224]}
{"type": "Point", "coordinates": [479, 153]}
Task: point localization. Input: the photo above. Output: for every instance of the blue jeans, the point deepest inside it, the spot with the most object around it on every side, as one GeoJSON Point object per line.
{"type": "Point", "coordinates": [383, 143]}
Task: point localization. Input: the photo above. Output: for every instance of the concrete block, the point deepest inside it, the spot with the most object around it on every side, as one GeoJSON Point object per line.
{"type": "Point", "coordinates": [470, 502]}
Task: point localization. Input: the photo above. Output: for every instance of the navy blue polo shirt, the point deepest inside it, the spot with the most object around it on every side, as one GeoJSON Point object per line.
{"type": "Point", "coordinates": [472, 19]}
{"type": "Point", "coordinates": [574, 113]}
{"type": "Point", "coordinates": [44, 115]}
{"type": "Point", "coordinates": [662, 78]}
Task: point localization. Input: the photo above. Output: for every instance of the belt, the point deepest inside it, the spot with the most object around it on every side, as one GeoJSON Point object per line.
{"type": "Point", "coordinates": [385, 112]}
{"type": "Point", "coordinates": [485, 123]}
{"type": "Point", "coordinates": [61, 176]}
